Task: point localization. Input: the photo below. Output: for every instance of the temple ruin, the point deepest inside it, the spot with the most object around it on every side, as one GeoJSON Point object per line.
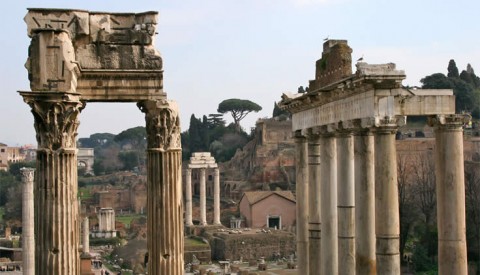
{"type": "Point", "coordinates": [76, 57]}
{"type": "Point", "coordinates": [202, 161]}
{"type": "Point", "coordinates": [347, 197]}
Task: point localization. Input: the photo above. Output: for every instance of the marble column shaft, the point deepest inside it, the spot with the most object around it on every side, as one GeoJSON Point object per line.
{"type": "Point", "coordinates": [216, 197]}
{"type": "Point", "coordinates": [188, 198]}
{"type": "Point", "coordinates": [301, 159]}
{"type": "Point", "coordinates": [365, 259]}
{"type": "Point", "coordinates": [314, 202]}
{"type": "Point", "coordinates": [452, 247]}
{"type": "Point", "coordinates": [86, 236]}
{"type": "Point", "coordinates": [387, 220]}
{"type": "Point", "coordinates": [203, 198]}
{"type": "Point", "coordinates": [346, 204]}
{"type": "Point", "coordinates": [28, 237]}
{"type": "Point", "coordinates": [164, 188]}
{"type": "Point", "coordinates": [56, 206]}
{"type": "Point", "coordinates": [329, 242]}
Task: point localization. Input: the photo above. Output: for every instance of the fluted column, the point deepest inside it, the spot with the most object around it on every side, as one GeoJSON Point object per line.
{"type": "Point", "coordinates": [86, 236]}
{"type": "Point", "coordinates": [328, 170]}
{"type": "Point", "coordinates": [314, 218]}
{"type": "Point", "coordinates": [365, 259]}
{"type": "Point", "coordinates": [302, 202]}
{"type": "Point", "coordinates": [56, 206]}
{"type": "Point", "coordinates": [216, 197]}
{"type": "Point", "coordinates": [28, 238]}
{"type": "Point", "coordinates": [164, 188]}
{"type": "Point", "coordinates": [203, 198]}
{"type": "Point", "coordinates": [387, 217]}
{"type": "Point", "coordinates": [449, 172]}
{"type": "Point", "coordinates": [188, 198]}
{"type": "Point", "coordinates": [346, 203]}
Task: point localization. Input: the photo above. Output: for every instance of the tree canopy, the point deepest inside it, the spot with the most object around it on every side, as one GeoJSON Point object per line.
{"type": "Point", "coordinates": [466, 87]}
{"type": "Point", "coordinates": [238, 108]}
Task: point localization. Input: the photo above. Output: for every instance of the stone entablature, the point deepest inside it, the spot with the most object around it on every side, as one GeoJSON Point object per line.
{"type": "Point", "coordinates": [373, 93]}
{"type": "Point", "coordinates": [202, 160]}
{"type": "Point", "coordinates": [93, 53]}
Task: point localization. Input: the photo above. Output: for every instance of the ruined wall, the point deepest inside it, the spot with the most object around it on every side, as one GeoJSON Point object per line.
{"type": "Point", "coordinates": [335, 64]}
{"type": "Point", "coordinates": [269, 158]}
{"type": "Point", "coordinates": [252, 246]}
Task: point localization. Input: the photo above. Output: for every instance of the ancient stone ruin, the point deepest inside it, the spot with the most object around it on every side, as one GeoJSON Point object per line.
{"type": "Point", "coordinates": [76, 57]}
{"type": "Point", "coordinates": [202, 161]}
{"type": "Point", "coordinates": [346, 161]}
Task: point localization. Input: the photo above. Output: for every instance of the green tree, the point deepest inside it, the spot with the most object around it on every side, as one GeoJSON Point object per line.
{"type": "Point", "coordinates": [238, 108]}
{"type": "Point", "coordinates": [130, 159]}
{"type": "Point", "coordinates": [136, 136]}
{"type": "Point", "coordinates": [7, 181]}
{"type": "Point", "coordinates": [452, 69]}
{"type": "Point", "coordinates": [96, 140]}
{"type": "Point", "coordinates": [277, 112]}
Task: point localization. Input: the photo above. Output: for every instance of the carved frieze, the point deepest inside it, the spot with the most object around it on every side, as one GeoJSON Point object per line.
{"type": "Point", "coordinates": [56, 119]}
{"type": "Point", "coordinates": [51, 62]}
{"type": "Point", "coordinates": [162, 124]}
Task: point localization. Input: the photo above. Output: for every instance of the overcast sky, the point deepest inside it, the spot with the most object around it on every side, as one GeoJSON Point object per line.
{"type": "Point", "coordinates": [250, 49]}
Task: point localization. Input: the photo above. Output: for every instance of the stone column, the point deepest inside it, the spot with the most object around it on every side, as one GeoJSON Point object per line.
{"type": "Point", "coordinates": [28, 238]}
{"type": "Point", "coordinates": [346, 203]}
{"type": "Point", "coordinates": [203, 198]}
{"type": "Point", "coordinates": [86, 236]}
{"type": "Point", "coordinates": [365, 260]}
{"type": "Point", "coordinates": [302, 202]}
{"type": "Point", "coordinates": [188, 198]}
{"type": "Point", "coordinates": [314, 218]}
{"type": "Point", "coordinates": [216, 197]}
{"type": "Point", "coordinates": [328, 166]}
{"type": "Point", "coordinates": [449, 172]}
{"type": "Point", "coordinates": [164, 186]}
{"type": "Point", "coordinates": [56, 206]}
{"type": "Point", "coordinates": [387, 217]}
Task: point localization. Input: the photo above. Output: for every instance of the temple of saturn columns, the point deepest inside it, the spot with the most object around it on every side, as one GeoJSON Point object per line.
{"type": "Point", "coordinates": [347, 197]}
{"type": "Point", "coordinates": [202, 161]}
{"type": "Point", "coordinates": [76, 57]}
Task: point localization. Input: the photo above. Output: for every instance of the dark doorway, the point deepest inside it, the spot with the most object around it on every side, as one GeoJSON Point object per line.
{"type": "Point", "coordinates": [274, 222]}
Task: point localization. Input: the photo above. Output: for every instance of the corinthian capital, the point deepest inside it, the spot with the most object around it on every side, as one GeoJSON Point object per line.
{"type": "Point", "coordinates": [56, 118]}
{"type": "Point", "coordinates": [446, 122]}
{"type": "Point", "coordinates": [27, 174]}
{"type": "Point", "coordinates": [163, 124]}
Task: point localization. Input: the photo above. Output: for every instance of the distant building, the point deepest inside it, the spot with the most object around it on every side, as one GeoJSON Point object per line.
{"type": "Point", "coordinates": [106, 224]}
{"type": "Point", "coordinates": [85, 159]}
{"type": "Point", "coordinates": [9, 155]}
{"type": "Point", "coordinates": [268, 209]}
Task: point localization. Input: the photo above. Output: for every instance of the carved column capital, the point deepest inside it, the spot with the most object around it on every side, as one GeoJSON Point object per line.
{"type": "Point", "coordinates": [163, 124]}
{"type": "Point", "coordinates": [388, 124]}
{"type": "Point", "coordinates": [56, 118]}
{"type": "Point", "coordinates": [452, 122]}
{"type": "Point", "coordinates": [27, 174]}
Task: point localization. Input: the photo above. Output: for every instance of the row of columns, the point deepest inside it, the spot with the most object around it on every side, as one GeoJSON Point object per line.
{"type": "Point", "coordinates": [203, 197]}
{"type": "Point", "coordinates": [347, 197]}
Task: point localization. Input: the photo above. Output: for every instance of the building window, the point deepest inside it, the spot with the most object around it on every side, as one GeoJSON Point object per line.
{"type": "Point", "coordinates": [3, 150]}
